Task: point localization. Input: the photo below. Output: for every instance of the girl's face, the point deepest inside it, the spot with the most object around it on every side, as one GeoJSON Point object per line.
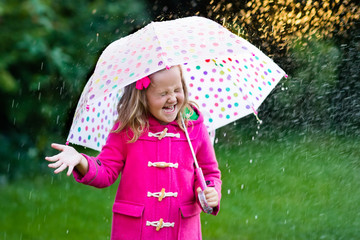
{"type": "Point", "coordinates": [165, 95]}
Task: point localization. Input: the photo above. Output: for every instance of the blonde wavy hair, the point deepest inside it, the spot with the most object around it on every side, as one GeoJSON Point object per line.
{"type": "Point", "coordinates": [133, 110]}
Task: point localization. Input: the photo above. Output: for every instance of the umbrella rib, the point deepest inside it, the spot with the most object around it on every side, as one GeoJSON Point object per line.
{"type": "Point", "coordinates": [160, 45]}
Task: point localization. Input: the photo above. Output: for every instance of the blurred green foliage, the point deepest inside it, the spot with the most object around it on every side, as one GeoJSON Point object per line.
{"type": "Point", "coordinates": [346, 100]}
{"type": "Point", "coordinates": [49, 48]}
{"type": "Point", "coordinates": [323, 88]}
{"type": "Point", "coordinates": [304, 99]}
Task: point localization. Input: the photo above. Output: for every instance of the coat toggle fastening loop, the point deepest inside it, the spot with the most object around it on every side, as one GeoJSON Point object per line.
{"type": "Point", "coordinates": [161, 195]}
{"type": "Point", "coordinates": [160, 224]}
{"type": "Point", "coordinates": [164, 133]}
{"type": "Point", "coordinates": [163, 164]}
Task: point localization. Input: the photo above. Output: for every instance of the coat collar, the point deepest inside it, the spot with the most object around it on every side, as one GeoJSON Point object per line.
{"type": "Point", "coordinates": [154, 122]}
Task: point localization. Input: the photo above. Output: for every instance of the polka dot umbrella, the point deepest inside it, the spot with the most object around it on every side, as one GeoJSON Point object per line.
{"type": "Point", "coordinates": [226, 75]}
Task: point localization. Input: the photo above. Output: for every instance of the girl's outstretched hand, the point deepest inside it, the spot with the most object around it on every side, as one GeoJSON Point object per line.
{"type": "Point", "coordinates": [211, 195]}
{"type": "Point", "coordinates": [67, 158]}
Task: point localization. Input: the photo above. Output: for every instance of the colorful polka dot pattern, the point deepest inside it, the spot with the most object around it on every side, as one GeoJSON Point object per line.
{"type": "Point", "coordinates": [92, 123]}
{"type": "Point", "coordinates": [225, 74]}
{"type": "Point", "coordinates": [227, 89]}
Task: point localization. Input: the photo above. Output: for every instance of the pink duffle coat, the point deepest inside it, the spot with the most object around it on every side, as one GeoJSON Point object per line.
{"type": "Point", "coordinates": [156, 196]}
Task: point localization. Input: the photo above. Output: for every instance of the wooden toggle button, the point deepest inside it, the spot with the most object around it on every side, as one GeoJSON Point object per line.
{"type": "Point", "coordinates": [161, 222]}
{"type": "Point", "coordinates": [162, 194]}
{"type": "Point", "coordinates": [163, 133]}
{"type": "Point", "coordinates": [162, 164]}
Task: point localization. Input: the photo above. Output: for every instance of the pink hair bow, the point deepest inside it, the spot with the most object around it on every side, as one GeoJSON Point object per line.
{"type": "Point", "coordinates": [143, 83]}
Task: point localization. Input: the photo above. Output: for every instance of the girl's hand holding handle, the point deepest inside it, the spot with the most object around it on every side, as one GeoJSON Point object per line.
{"type": "Point", "coordinates": [211, 195]}
{"type": "Point", "coordinates": [67, 158]}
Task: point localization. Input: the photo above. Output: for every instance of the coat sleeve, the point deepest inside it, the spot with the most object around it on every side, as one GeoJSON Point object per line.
{"type": "Point", "coordinates": [106, 167]}
{"type": "Point", "coordinates": [205, 155]}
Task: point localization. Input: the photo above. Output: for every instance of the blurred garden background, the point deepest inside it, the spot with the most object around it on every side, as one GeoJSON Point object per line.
{"type": "Point", "coordinates": [295, 176]}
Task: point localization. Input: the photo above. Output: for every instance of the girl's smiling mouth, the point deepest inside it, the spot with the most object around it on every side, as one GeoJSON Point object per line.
{"type": "Point", "coordinates": [169, 109]}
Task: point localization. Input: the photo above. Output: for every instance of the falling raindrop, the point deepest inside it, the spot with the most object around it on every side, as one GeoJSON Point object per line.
{"type": "Point", "coordinates": [91, 40]}
{"type": "Point", "coordinates": [67, 231]}
{"type": "Point", "coordinates": [242, 186]}
{"type": "Point", "coordinates": [39, 86]}
{"type": "Point", "coordinates": [97, 37]}
{"type": "Point", "coordinates": [57, 119]}
{"type": "Point", "coordinates": [251, 161]}
{"type": "Point", "coordinates": [256, 217]}
{"type": "Point", "coordinates": [42, 65]}
{"type": "Point", "coordinates": [228, 191]}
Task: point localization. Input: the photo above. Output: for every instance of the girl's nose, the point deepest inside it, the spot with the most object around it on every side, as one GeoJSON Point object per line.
{"type": "Point", "coordinates": [172, 98]}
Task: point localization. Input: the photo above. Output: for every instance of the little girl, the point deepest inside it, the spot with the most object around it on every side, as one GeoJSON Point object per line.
{"type": "Point", "coordinates": [156, 196]}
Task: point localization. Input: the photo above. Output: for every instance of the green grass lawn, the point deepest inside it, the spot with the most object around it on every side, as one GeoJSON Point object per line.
{"type": "Point", "coordinates": [299, 186]}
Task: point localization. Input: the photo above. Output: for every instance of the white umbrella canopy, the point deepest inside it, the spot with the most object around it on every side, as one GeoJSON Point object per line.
{"type": "Point", "coordinates": [226, 75]}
